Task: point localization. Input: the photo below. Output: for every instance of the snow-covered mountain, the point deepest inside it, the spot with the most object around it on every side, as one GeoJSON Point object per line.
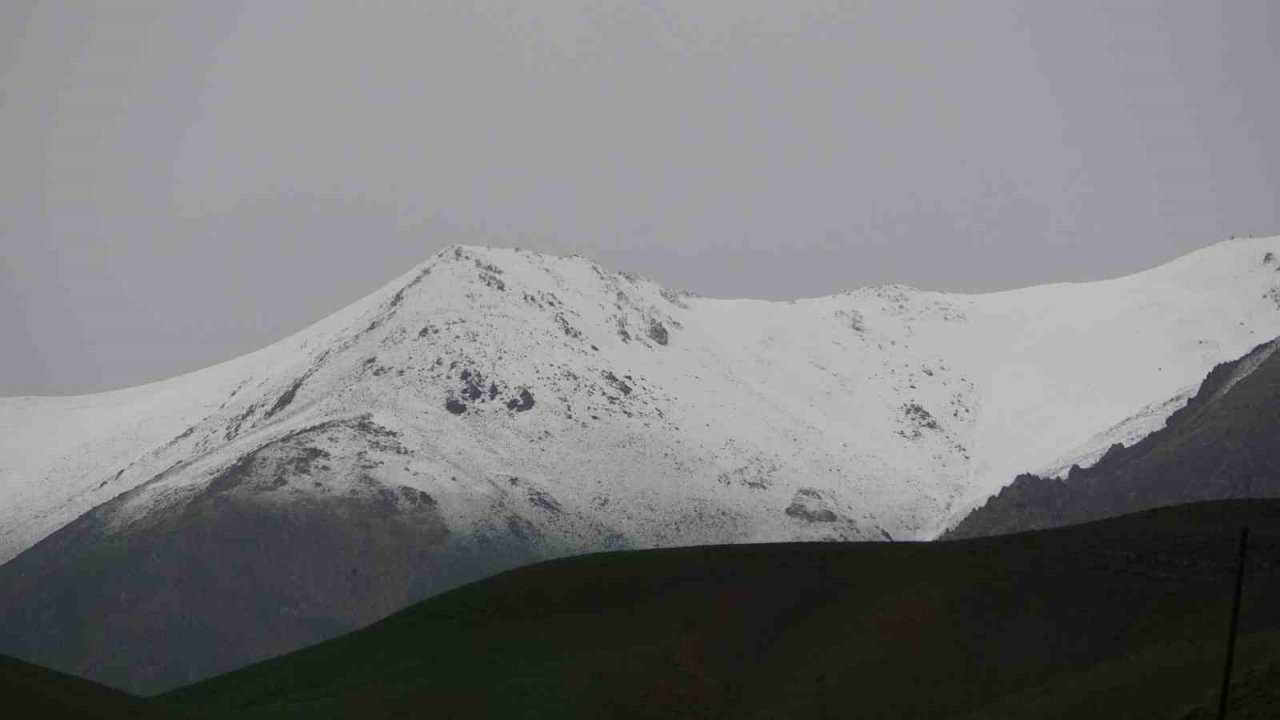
{"type": "Point", "coordinates": [595, 405]}
{"type": "Point", "coordinates": [494, 407]}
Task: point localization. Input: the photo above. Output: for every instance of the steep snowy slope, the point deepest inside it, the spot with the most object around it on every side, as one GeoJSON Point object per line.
{"type": "Point", "coordinates": [493, 407]}
{"type": "Point", "coordinates": [671, 418]}
{"type": "Point", "coordinates": [1222, 444]}
{"type": "Point", "coordinates": [60, 456]}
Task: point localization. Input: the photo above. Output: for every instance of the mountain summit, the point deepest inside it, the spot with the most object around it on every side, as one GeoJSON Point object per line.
{"type": "Point", "coordinates": [493, 407]}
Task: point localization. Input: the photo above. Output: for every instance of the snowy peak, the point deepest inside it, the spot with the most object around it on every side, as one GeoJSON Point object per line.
{"type": "Point", "coordinates": [653, 417]}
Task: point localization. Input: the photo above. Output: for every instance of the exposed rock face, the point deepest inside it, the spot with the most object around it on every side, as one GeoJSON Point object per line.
{"type": "Point", "coordinates": [521, 403]}
{"type": "Point", "coordinates": [658, 332]}
{"type": "Point", "coordinates": [809, 505]}
{"type": "Point", "coordinates": [1224, 444]}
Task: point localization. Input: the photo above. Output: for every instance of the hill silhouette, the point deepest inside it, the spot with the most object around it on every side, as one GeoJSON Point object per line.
{"type": "Point", "coordinates": [1120, 618]}
{"type": "Point", "coordinates": [30, 691]}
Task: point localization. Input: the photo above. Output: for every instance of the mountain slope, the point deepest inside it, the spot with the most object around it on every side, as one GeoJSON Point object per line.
{"type": "Point", "coordinates": [1223, 444]}
{"type": "Point", "coordinates": [872, 390]}
{"type": "Point", "coordinates": [495, 407]}
{"type": "Point", "coordinates": [1120, 619]}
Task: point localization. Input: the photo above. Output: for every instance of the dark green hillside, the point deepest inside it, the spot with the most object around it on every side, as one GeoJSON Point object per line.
{"type": "Point", "coordinates": [31, 691]}
{"type": "Point", "coordinates": [1123, 618]}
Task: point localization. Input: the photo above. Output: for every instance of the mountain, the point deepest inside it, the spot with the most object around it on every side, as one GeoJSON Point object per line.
{"type": "Point", "coordinates": [493, 408]}
{"type": "Point", "coordinates": [38, 692]}
{"type": "Point", "coordinates": [1120, 619]}
{"type": "Point", "coordinates": [1222, 444]}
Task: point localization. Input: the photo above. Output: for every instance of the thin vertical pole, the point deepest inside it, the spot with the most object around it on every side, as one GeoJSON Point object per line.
{"type": "Point", "coordinates": [1235, 622]}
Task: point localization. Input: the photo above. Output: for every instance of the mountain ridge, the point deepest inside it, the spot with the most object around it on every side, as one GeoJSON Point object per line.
{"type": "Point", "coordinates": [219, 381]}
{"type": "Point", "coordinates": [495, 407]}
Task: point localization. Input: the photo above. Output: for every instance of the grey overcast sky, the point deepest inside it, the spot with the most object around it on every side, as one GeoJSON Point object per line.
{"type": "Point", "coordinates": [184, 182]}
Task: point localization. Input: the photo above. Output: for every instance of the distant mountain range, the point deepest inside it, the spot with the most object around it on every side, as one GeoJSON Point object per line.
{"type": "Point", "coordinates": [493, 408]}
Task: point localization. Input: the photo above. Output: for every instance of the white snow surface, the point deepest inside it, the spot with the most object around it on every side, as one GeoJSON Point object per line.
{"type": "Point", "coordinates": [661, 418]}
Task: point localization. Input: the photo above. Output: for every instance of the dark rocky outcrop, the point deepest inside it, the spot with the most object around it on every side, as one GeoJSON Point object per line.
{"type": "Point", "coordinates": [617, 383]}
{"type": "Point", "coordinates": [658, 333]}
{"type": "Point", "coordinates": [521, 403]}
{"type": "Point", "coordinates": [286, 398]}
{"type": "Point", "coordinates": [809, 505]}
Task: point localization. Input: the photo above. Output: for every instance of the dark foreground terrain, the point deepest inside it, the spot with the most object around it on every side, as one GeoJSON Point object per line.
{"type": "Point", "coordinates": [28, 691]}
{"type": "Point", "coordinates": [1120, 618]}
